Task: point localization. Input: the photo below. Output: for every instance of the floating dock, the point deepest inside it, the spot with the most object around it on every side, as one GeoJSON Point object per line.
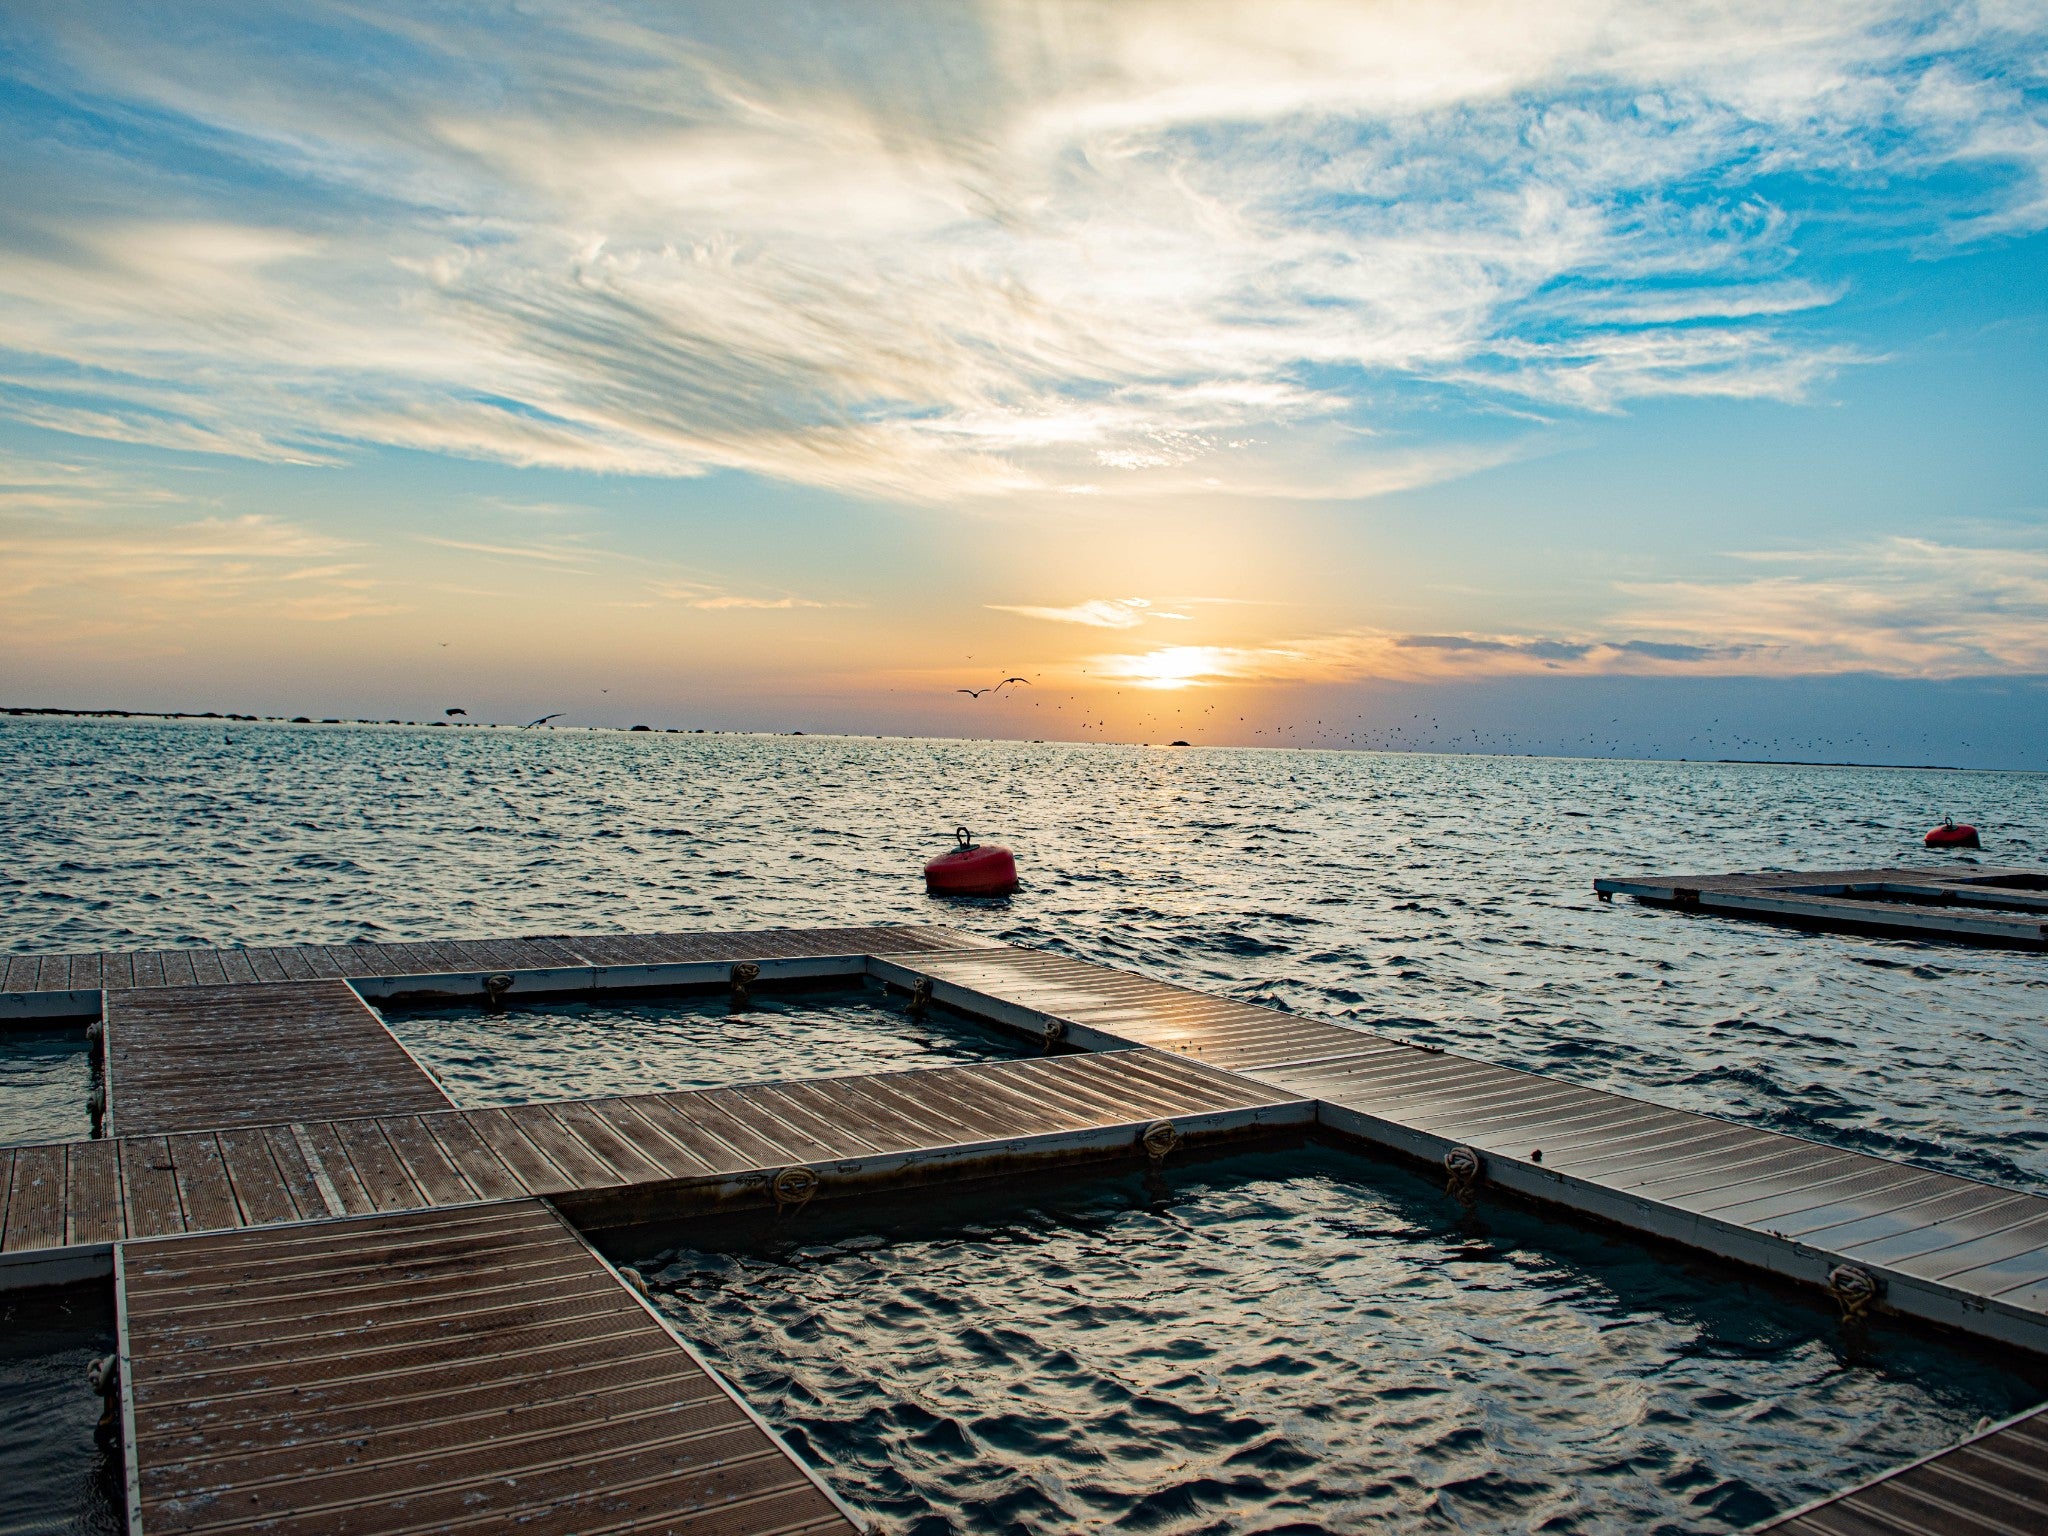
{"type": "Point", "coordinates": [283, 1191]}
{"type": "Point", "coordinates": [1990, 1485]}
{"type": "Point", "coordinates": [475, 1369]}
{"type": "Point", "coordinates": [1965, 901]}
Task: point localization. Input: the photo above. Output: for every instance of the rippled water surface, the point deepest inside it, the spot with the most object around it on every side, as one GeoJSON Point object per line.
{"type": "Point", "coordinates": [45, 1076]}
{"type": "Point", "coordinates": [1448, 896]}
{"type": "Point", "coordinates": [1255, 1337]}
{"type": "Point", "coordinates": [1295, 1340]}
{"type": "Point", "coordinates": [570, 1050]}
{"type": "Point", "coordinates": [53, 1476]}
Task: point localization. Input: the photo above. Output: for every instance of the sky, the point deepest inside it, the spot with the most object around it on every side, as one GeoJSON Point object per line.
{"type": "Point", "coordinates": [1617, 379]}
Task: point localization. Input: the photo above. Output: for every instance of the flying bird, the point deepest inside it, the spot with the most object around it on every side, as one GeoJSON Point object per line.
{"type": "Point", "coordinates": [975, 693]}
{"type": "Point", "coordinates": [543, 720]}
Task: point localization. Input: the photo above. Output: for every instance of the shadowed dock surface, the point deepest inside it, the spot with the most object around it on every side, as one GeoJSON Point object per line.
{"type": "Point", "coordinates": [1993, 1484]}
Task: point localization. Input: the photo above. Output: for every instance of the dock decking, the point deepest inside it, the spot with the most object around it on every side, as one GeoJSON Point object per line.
{"type": "Point", "coordinates": [1962, 901]}
{"type": "Point", "coordinates": [478, 1369]}
{"type": "Point", "coordinates": [612, 1160]}
{"type": "Point", "coordinates": [202, 1057]}
{"type": "Point", "coordinates": [1993, 1484]}
{"type": "Point", "coordinates": [70, 985]}
{"type": "Point", "coordinates": [234, 1175]}
{"type": "Point", "coordinates": [1969, 1255]}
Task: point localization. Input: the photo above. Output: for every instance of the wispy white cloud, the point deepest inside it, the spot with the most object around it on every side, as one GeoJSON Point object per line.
{"type": "Point", "coordinates": [714, 599]}
{"type": "Point", "coordinates": [1134, 249]}
{"type": "Point", "coordinates": [1096, 612]}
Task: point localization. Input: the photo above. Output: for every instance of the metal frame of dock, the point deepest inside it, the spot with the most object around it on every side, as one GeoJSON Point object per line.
{"type": "Point", "coordinates": [291, 1209]}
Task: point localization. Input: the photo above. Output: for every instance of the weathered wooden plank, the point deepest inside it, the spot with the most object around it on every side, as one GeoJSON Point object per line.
{"type": "Point", "coordinates": [512, 1147]}
{"type": "Point", "coordinates": [297, 1174]}
{"type": "Point", "coordinates": [328, 1159]}
{"type": "Point", "coordinates": [35, 1200]}
{"type": "Point", "coordinates": [92, 1192]}
{"type": "Point", "coordinates": [479, 1434]}
{"type": "Point", "coordinates": [383, 1174]}
{"type": "Point", "coordinates": [439, 1180]}
{"type": "Point", "coordinates": [149, 1188]}
{"type": "Point", "coordinates": [260, 1191]}
{"type": "Point", "coordinates": [484, 1169]}
{"type": "Point", "coordinates": [617, 1151]}
{"type": "Point", "coordinates": [562, 1147]}
{"type": "Point", "coordinates": [203, 1188]}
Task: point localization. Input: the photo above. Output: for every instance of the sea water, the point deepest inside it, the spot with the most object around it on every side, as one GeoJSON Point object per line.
{"type": "Point", "coordinates": [1446, 898]}
{"type": "Point", "coordinates": [1302, 1339]}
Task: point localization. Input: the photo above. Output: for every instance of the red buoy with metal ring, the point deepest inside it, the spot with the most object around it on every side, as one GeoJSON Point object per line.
{"type": "Point", "coordinates": [1953, 834]}
{"type": "Point", "coordinates": [971, 869]}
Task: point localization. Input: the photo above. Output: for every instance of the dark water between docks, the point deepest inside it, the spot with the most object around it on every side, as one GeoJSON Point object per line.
{"type": "Point", "coordinates": [1291, 1340]}
{"type": "Point", "coordinates": [54, 1479]}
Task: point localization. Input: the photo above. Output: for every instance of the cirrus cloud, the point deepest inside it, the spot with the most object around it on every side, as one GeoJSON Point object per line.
{"type": "Point", "coordinates": [1142, 249]}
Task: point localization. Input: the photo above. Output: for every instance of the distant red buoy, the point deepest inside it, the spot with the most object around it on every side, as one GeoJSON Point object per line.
{"type": "Point", "coordinates": [1953, 834]}
{"type": "Point", "coordinates": [971, 870]}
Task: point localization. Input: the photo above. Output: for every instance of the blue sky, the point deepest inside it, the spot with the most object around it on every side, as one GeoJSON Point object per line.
{"type": "Point", "coordinates": [1213, 366]}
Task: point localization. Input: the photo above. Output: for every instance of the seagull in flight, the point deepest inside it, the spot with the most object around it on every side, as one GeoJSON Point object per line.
{"type": "Point", "coordinates": [543, 720]}
{"type": "Point", "coordinates": [975, 693]}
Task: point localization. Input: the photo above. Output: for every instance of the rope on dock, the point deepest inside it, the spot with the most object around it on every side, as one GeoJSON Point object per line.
{"type": "Point", "coordinates": [1160, 1138]}
{"type": "Point", "coordinates": [793, 1188]}
{"type": "Point", "coordinates": [104, 1377]}
{"type": "Point", "coordinates": [1055, 1032]}
{"type": "Point", "coordinates": [495, 988]}
{"type": "Point", "coordinates": [1856, 1289]}
{"type": "Point", "coordinates": [743, 977]}
{"type": "Point", "coordinates": [920, 996]}
{"type": "Point", "coordinates": [1463, 1168]}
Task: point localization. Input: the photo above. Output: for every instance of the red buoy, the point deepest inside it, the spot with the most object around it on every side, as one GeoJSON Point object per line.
{"type": "Point", "coordinates": [1953, 834]}
{"type": "Point", "coordinates": [971, 870]}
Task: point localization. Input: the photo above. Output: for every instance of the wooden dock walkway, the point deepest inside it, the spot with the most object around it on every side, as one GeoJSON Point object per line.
{"type": "Point", "coordinates": [614, 1160]}
{"type": "Point", "coordinates": [1962, 901]}
{"type": "Point", "coordinates": [70, 985]}
{"type": "Point", "coordinates": [1968, 1255]}
{"type": "Point", "coordinates": [1993, 1484]}
{"type": "Point", "coordinates": [237, 1175]}
{"type": "Point", "coordinates": [479, 1369]}
{"type": "Point", "coordinates": [204, 1057]}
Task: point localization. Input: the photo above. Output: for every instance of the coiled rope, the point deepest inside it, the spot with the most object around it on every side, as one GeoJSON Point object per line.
{"type": "Point", "coordinates": [1055, 1032]}
{"type": "Point", "coordinates": [920, 997]}
{"type": "Point", "coordinates": [1160, 1138]}
{"type": "Point", "coordinates": [1856, 1289]}
{"type": "Point", "coordinates": [793, 1188]}
{"type": "Point", "coordinates": [495, 988]}
{"type": "Point", "coordinates": [1463, 1169]}
{"type": "Point", "coordinates": [104, 1377]}
{"type": "Point", "coordinates": [743, 977]}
